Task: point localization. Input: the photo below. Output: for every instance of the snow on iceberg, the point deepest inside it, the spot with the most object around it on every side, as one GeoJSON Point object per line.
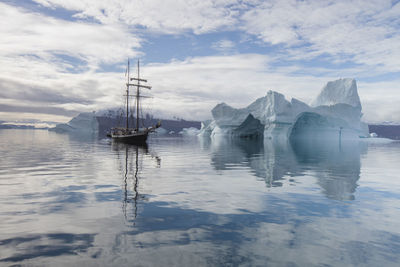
{"type": "Point", "coordinates": [335, 111]}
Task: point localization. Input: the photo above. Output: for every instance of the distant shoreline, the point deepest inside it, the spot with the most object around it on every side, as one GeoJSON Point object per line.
{"type": "Point", "coordinates": [385, 131]}
{"type": "Point", "coordinates": [21, 127]}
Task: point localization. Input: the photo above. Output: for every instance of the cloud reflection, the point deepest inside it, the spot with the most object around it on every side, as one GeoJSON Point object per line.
{"type": "Point", "coordinates": [45, 245]}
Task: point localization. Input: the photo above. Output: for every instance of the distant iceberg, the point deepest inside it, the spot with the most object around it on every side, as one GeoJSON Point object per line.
{"type": "Point", "coordinates": [192, 131]}
{"type": "Point", "coordinates": [83, 123]}
{"type": "Point", "coordinates": [335, 111]}
{"type": "Point", "coordinates": [161, 131]}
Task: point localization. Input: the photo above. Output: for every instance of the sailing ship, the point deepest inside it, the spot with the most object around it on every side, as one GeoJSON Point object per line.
{"type": "Point", "coordinates": [134, 135]}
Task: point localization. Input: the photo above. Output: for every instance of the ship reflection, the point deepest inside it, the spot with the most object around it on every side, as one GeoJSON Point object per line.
{"type": "Point", "coordinates": [131, 159]}
{"type": "Point", "coordinates": [335, 165]}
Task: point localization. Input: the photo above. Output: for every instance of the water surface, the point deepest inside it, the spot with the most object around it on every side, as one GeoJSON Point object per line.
{"type": "Point", "coordinates": [79, 200]}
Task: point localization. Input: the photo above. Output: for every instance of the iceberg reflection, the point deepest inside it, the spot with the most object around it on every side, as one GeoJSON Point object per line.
{"type": "Point", "coordinates": [336, 165]}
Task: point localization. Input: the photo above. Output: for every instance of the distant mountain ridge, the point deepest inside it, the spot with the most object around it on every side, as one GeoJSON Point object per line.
{"type": "Point", "coordinates": [386, 131]}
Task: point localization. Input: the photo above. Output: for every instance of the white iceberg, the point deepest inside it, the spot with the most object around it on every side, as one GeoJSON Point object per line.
{"type": "Point", "coordinates": [83, 123]}
{"type": "Point", "coordinates": [161, 131]}
{"type": "Point", "coordinates": [191, 131]}
{"type": "Point", "coordinates": [335, 111]}
{"type": "Point", "coordinates": [342, 91]}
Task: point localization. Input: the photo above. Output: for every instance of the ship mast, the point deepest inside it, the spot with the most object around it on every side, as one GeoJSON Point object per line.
{"type": "Point", "coordinates": [127, 100]}
{"type": "Point", "coordinates": [138, 86]}
{"type": "Point", "coordinates": [137, 98]}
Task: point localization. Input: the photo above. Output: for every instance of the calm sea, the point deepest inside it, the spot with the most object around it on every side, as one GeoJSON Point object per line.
{"type": "Point", "coordinates": [82, 201]}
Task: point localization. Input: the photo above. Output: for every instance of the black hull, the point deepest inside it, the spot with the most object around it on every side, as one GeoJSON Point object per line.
{"type": "Point", "coordinates": [136, 139]}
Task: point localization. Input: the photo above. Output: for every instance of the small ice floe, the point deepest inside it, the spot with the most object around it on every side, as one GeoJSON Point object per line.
{"type": "Point", "coordinates": [192, 131]}
{"type": "Point", "coordinates": [161, 131]}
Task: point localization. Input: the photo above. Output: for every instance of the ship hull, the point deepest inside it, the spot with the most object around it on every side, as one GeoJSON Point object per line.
{"type": "Point", "coordinates": [134, 138]}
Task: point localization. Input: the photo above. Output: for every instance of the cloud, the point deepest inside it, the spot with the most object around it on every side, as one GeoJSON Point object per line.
{"type": "Point", "coordinates": [15, 90]}
{"type": "Point", "coordinates": [34, 34]}
{"type": "Point", "coordinates": [163, 16]}
{"type": "Point", "coordinates": [43, 110]}
{"type": "Point", "coordinates": [380, 100]}
{"type": "Point", "coordinates": [27, 80]}
{"type": "Point", "coordinates": [273, 22]}
{"type": "Point", "coordinates": [225, 46]}
{"type": "Point", "coordinates": [363, 32]}
{"type": "Point", "coordinates": [49, 64]}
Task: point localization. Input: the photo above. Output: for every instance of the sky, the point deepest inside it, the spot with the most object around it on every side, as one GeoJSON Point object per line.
{"type": "Point", "coordinates": [62, 57]}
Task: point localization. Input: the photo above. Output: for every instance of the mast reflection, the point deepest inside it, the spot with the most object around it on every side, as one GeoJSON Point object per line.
{"type": "Point", "coordinates": [131, 158]}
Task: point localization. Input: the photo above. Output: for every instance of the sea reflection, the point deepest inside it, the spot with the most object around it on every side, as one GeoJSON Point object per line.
{"type": "Point", "coordinates": [336, 165]}
{"type": "Point", "coordinates": [225, 203]}
{"type": "Point", "coordinates": [44, 245]}
{"type": "Point", "coordinates": [130, 158]}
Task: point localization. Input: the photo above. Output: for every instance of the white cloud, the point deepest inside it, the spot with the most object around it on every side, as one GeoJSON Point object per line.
{"type": "Point", "coordinates": [224, 45]}
{"type": "Point", "coordinates": [273, 22]}
{"type": "Point", "coordinates": [363, 32]}
{"type": "Point", "coordinates": [34, 34]}
{"type": "Point", "coordinates": [380, 100]}
{"type": "Point", "coordinates": [165, 16]}
{"type": "Point", "coordinates": [34, 72]}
